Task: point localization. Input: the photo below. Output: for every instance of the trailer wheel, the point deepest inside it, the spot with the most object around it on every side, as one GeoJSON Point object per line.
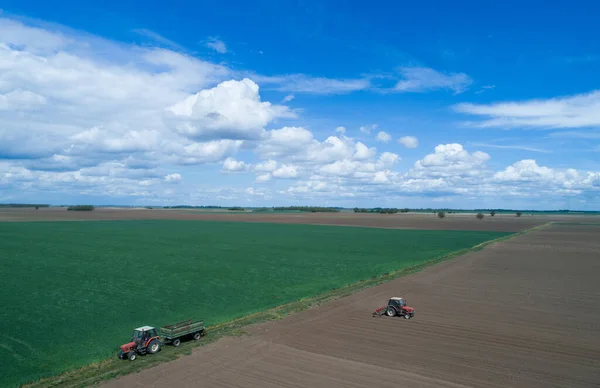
{"type": "Point", "coordinates": [153, 346]}
{"type": "Point", "coordinates": [176, 342]}
{"type": "Point", "coordinates": [390, 312]}
{"type": "Point", "coordinates": [197, 336]}
{"type": "Point", "coordinates": [407, 316]}
{"type": "Point", "coordinates": [131, 356]}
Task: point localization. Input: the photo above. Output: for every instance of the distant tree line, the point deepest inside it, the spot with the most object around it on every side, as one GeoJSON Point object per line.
{"type": "Point", "coordinates": [312, 209]}
{"type": "Point", "coordinates": [381, 210]}
{"type": "Point", "coordinates": [236, 208]}
{"type": "Point", "coordinates": [84, 208]}
{"type": "Point", "coordinates": [193, 207]}
{"type": "Point", "coordinates": [22, 205]}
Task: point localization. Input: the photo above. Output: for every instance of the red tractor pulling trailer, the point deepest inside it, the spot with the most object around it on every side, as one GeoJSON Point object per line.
{"type": "Point", "coordinates": [396, 307]}
{"type": "Point", "coordinates": [147, 339]}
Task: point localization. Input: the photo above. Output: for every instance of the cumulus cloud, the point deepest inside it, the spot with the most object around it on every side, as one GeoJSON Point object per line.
{"type": "Point", "coordinates": [421, 79]}
{"type": "Point", "coordinates": [341, 130]}
{"type": "Point", "coordinates": [231, 110]}
{"type": "Point", "coordinates": [266, 166]}
{"type": "Point", "coordinates": [383, 137]}
{"type": "Point", "coordinates": [409, 141]}
{"type": "Point", "coordinates": [450, 159]}
{"type": "Point", "coordinates": [285, 171]}
{"type": "Point", "coordinates": [578, 111]}
{"type": "Point", "coordinates": [232, 165]}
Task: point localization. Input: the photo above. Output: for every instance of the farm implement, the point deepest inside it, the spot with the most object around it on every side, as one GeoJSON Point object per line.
{"type": "Point", "coordinates": [395, 307]}
{"type": "Point", "coordinates": [147, 340]}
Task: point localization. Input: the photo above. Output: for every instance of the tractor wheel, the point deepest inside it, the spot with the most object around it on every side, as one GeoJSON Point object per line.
{"type": "Point", "coordinates": [131, 356]}
{"type": "Point", "coordinates": [176, 342]}
{"type": "Point", "coordinates": [153, 346]}
{"type": "Point", "coordinates": [197, 336]}
{"type": "Point", "coordinates": [390, 312]}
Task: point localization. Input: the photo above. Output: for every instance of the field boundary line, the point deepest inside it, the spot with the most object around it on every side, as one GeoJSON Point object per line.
{"type": "Point", "coordinates": [112, 368]}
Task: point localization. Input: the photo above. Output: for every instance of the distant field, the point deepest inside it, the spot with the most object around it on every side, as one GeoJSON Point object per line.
{"type": "Point", "coordinates": [500, 223]}
{"type": "Point", "coordinates": [73, 291]}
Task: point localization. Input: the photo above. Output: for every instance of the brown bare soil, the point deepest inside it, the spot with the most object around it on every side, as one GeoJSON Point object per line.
{"type": "Point", "coordinates": [520, 313]}
{"type": "Point", "coordinates": [500, 222]}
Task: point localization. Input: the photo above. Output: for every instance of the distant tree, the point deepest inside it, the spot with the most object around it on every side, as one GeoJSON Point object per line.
{"type": "Point", "coordinates": [85, 208]}
{"type": "Point", "coordinates": [441, 214]}
{"type": "Point", "coordinates": [518, 214]}
{"type": "Point", "coordinates": [37, 207]}
{"type": "Point", "coordinates": [492, 213]}
{"type": "Point", "coordinates": [479, 216]}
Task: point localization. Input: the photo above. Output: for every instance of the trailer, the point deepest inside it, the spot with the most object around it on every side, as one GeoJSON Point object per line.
{"type": "Point", "coordinates": [175, 332]}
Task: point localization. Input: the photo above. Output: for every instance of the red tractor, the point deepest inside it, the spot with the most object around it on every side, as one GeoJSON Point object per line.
{"type": "Point", "coordinates": [144, 340]}
{"type": "Point", "coordinates": [396, 307]}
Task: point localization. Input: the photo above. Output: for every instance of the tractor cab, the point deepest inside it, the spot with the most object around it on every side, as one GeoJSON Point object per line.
{"type": "Point", "coordinates": [397, 302]}
{"type": "Point", "coordinates": [143, 334]}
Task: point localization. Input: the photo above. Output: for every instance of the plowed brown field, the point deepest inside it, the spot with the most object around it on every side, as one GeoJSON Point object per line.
{"type": "Point", "coordinates": [520, 313]}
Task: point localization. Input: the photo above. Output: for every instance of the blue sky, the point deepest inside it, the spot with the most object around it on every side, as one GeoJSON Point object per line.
{"type": "Point", "coordinates": [491, 104]}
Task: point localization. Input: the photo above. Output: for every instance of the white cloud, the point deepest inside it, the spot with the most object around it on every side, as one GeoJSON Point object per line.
{"type": "Point", "coordinates": [421, 79]}
{"type": "Point", "coordinates": [578, 111]}
{"type": "Point", "coordinates": [383, 137]}
{"type": "Point", "coordinates": [263, 178]}
{"type": "Point", "coordinates": [173, 178]}
{"type": "Point", "coordinates": [231, 110]}
{"type": "Point", "coordinates": [232, 165]}
{"type": "Point", "coordinates": [99, 114]}
{"type": "Point", "coordinates": [449, 160]}
{"type": "Point", "coordinates": [363, 152]}
{"type": "Point", "coordinates": [285, 171]}
{"type": "Point", "coordinates": [287, 140]}
{"type": "Point", "coordinates": [388, 159]}
{"type": "Point", "coordinates": [288, 98]}
{"type": "Point", "coordinates": [201, 153]}
{"type": "Point", "coordinates": [217, 45]}
{"type": "Point", "coordinates": [367, 128]}
{"type": "Point", "coordinates": [267, 166]}
{"type": "Point", "coordinates": [409, 141]}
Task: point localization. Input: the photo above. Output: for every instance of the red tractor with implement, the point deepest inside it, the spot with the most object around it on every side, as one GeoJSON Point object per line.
{"type": "Point", "coordinates": [396, 306]}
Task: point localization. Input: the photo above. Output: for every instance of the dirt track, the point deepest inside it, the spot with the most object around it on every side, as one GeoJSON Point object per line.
{"type": "Point", "coordinates": [500, 222]}
{"type": "Point", "coordinates": [521, 313]}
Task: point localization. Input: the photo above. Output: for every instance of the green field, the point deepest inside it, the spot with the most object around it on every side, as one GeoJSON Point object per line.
{"type": "Point", "coordinates": [72, 291]}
